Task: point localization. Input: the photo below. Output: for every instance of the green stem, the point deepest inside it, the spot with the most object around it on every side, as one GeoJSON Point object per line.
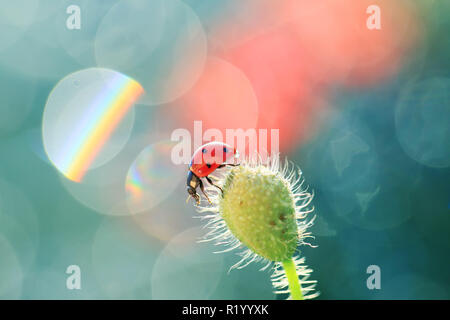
{"type": "Point", "coordinates": [294, 284]}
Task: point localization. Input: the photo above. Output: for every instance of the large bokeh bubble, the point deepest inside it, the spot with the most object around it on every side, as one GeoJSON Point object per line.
{"type": "Point", "coordinates": [171, 216]}
{"type": "Point", "coordinates": [69, 230]}
{"type": "Point", "coordinates": [11, 275]}
{"type": "Point", "coordinates": [88, 119]}
{"type": "Point", "coordinates": [346, 167]}
{"type": "Point", "coordinates": [103, 188]}
{"type": "Point", "coordinates": [122, 258]}
{"type": "Point", "coordinates": [15, 18]}
{"type": "Point", "coordinates": [18, 223]}
{"type": "Point", "coordinates": [348, 162]}
{"type": "Point", "coordinates": [33, 140]}
{"type": "Point", "coordinates": [223, 98]}
{"type": "Point", "coordinates": [186, 269]}
{"type": "Point", "coordinates": [35, 52]}
{"type": "Point", "coordinates": [165, 45]}
{"type": "Point", "coordinates": [234, 284]}
{"type": "Point", "coordinates": [422, 121]}
{"type": "Point", "coordinates": [152, 177]}
{"type": "Point", "coordinates": [17, 95]}
{"type": "Point", "coordinates": [80, 43]}
{"type": "Point", "coordinates": [50, 283]}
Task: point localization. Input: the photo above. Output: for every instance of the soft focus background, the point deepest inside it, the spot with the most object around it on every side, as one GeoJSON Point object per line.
{"type": "Point", "coordinates": [364, 113]}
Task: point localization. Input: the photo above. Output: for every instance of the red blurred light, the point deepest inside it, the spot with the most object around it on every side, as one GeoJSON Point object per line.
{"type": "Point", "coordinates": [279, 71]}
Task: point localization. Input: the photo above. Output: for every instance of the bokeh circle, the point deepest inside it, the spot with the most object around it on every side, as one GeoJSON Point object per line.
{"type": "Point", "coordinates": [165, 46]}
{"type": "Point", "coordinates": [422, 121]}
{"type": "Point", "coordinates": [152, 177]}
{"type": "Point", "coordinates": [11, 275]}
{"type": "Point", "coordinates": [122, 259]}
{"type": "Point", "coordinates": [186, 269]}
{"type": "Point", "coordinates": [15, 18]}
{"type": "Point", "coordinates": [88, 119]}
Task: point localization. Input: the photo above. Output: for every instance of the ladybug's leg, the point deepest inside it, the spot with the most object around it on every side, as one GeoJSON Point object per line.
{"type": "Point", "coordinates": [213, 178]}
{"type": "Point", "coordinates": [228, 164]}
{"type": "Point", "coordinates": [212, 183]}
{"type": "Point", "coordinates": [203, 190]}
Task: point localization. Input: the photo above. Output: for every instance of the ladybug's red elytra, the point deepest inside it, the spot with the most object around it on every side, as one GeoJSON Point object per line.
{"type": "Point", "coordinates": [206, 160]}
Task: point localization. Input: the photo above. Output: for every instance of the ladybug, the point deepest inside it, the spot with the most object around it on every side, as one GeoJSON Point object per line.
{"type": "Point", "coordinates": [205, 160]}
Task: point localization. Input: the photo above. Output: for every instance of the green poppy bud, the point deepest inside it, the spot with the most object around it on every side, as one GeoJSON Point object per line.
{"type": "Point", "coordinates": [264, 208]}
{"type": "Point", "coordinates": [259, 210]}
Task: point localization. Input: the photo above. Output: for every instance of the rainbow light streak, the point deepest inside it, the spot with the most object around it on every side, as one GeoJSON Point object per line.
{"type": "Point", "coordinates": [133, 184]}
{"type": "Point", "coordinates": [98, 124]}
{"type": "Point", "coordinates": [146, 171]}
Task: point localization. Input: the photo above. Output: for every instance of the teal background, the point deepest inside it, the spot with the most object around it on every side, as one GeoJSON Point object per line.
{"type": "Point", "coordinates": [375, 203]}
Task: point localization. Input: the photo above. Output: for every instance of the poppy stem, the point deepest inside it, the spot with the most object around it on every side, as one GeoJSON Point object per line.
{"type": "Point", "coordinates": [294, 283]}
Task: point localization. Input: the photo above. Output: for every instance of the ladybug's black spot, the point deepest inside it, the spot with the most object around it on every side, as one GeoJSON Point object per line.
{"type": "Point", "coordinates": [208, 165]}
{"type": "Point", "coordinates": [204, 150]}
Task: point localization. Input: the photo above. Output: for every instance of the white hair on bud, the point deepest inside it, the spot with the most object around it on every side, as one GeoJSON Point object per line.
{"type": "Point", "coordinates": [218, 232]}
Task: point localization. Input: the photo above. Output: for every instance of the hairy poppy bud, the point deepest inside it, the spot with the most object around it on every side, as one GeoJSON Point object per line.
{"type": "Point", "coordinates": [264, 208]}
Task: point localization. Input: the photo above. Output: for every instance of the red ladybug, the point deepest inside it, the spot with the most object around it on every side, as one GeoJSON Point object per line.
{"type": "Point", "coordinates": [205, 160]}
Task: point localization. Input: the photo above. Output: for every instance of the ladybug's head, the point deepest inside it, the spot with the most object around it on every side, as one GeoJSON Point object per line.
{"type": "Point", "coordinates": [192, 184]}
{"type": "Point", "coordinates": [193, 193]}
